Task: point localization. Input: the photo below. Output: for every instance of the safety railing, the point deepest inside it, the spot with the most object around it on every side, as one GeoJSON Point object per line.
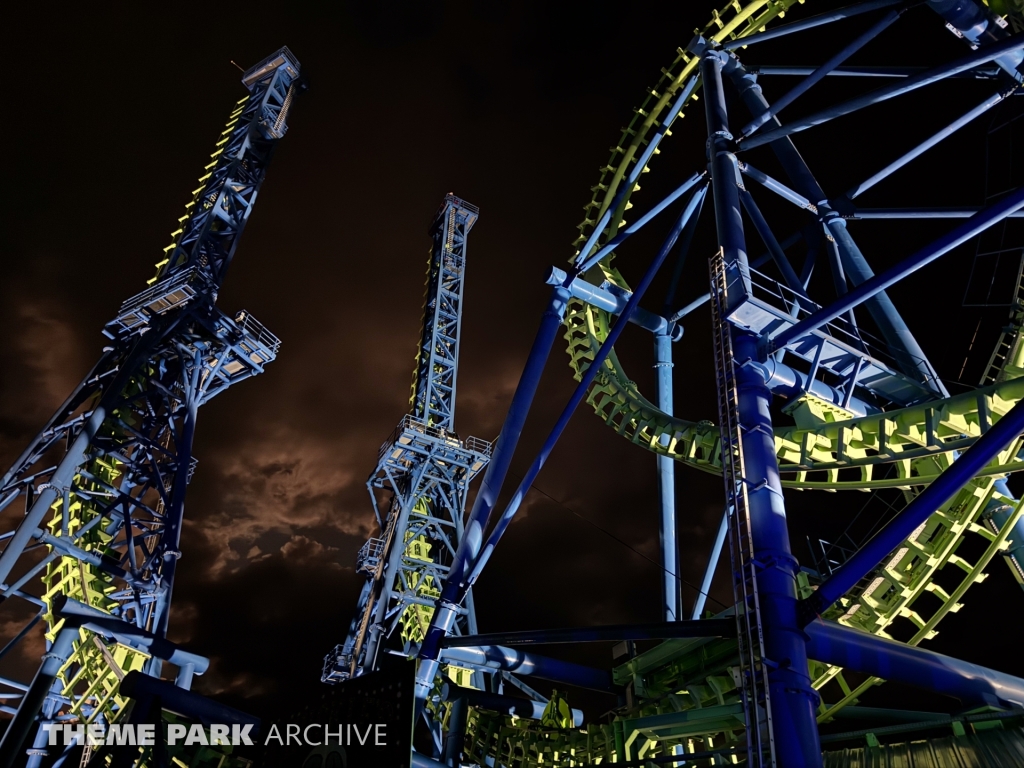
{"type": "Point", "coordinates": [257, 331]}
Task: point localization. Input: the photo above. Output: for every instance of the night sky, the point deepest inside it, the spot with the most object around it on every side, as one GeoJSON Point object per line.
{"type": "Point", "coordinates": [110, 115]}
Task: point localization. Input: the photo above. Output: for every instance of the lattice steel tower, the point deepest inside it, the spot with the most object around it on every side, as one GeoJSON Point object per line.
{"type": "Point", "coordinates": [103, 483]}
{"type": "Point", "coordinates": [424, 470]}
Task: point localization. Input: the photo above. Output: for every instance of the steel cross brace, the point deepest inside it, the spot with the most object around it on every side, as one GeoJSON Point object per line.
{"type": "Point", "coordinates": [788, 732]}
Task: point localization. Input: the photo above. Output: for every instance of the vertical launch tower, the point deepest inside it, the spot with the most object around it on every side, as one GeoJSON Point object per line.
{"type": "Point", "coordinates": [103, 483]}
{"type": "Point", "coordinates": [424, 471]}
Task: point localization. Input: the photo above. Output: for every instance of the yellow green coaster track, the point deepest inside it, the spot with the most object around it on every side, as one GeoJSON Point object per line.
{"type": "Point", "coordinates": [826, 448]}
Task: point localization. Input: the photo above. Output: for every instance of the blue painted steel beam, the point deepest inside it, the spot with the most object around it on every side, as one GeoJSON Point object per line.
{"type": "Point", "coordinates": [530, 664]}
{"type": "Point", "coordinates": [854, 71]}
{"type": "Point", "coordinates": [934, 75]}
{"type": "Point", "coordinates": [626, 185]}
{"type": "Point", "coordinates": [672, 606]}
{"type": "Point", "coordinates": [662, 630]}
{"type": "Point", "coordinates": [458, 718]}
{"type": "Point", "coordinates": [580, 393]}
{"type": "Point", "coordinates": [974, 685]}
{"type": "Point", "coordinates": [637, 225]}
{"type": "Point", "coordinates": [487, 495]}
{"type": "Point", "coordinates": [875, 285]}
{"type": "Point", "coordinates": [928, 143]}
{"type": "Point", "coordinates": [907, 351]}
{"type": "Point", "coordinates": [793, 701]}
{"type": "Point", "coordinates": [835, 261]}
{"type": "Point", "coordinates": [814, 21]}
{"type": "Point", "coordinates": [712, 566]}
{"type": "Point", "coordinates": [810, 261]}
{"type": "Point", "coordinates": [941, 490]}
{"type": "Point", "coordinates": [777, 187]}
{"type": "Point", "coordinates": [697, 303]}
{"type": "Point", "coordinates": [471, 557]}
{"type": "Point", "coordinates": [920, 213]}
{"type": "Point", "coordinates": [909, 356]}
{"type": "Point", "coordinates": [672, 584]}
{"type": "Point", "coordinates": [45, 679]}
{"type": "Point", "coordinates": [602, 298]}
{"type": "Point", "coordinates": [685, 241]}
{"type": "Point", "coordinates": [789, 275]}
{"type": "Point", "coordinates": [815, 77]}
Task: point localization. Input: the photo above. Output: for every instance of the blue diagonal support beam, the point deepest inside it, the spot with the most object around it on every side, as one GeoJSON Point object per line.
{"type": "Point", "coordinates": [763, 229]}
{"type": "Point", "coordinates": [637, 225]}
{"type": "Point", "coordinates": [782, 70]}
{"type": "Point", "coordinates": [934, 75]}
{"type": "Point", "coordinates": [908, 352]}
{"type": "Point", "coordinates": [973, 684]}
{"type": "Point", "coordinates": [922, 213]}
{"type": "Point", "coordinates": [447, 610]}
{"type": "Point", "coordinates": [969, 464]}
{"type": "Point", "coordinates": [928, 143]}
{"type": "Point", "coordinates": [777, 187]}
{"type": "Point", "coordinates": [875, 285]}
{"type": "Point", "coordinates": [814, 21]}
{"type": "Point", "coordinates": [821, 72]}
{"type": "Point", "coordinates": [473, 552]}
{"type": "Point", "coordinates": [501, 525]}
{"type": "Point", "coordinates": [585, 257]}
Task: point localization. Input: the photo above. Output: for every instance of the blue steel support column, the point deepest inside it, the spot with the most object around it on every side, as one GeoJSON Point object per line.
{"type": "Point", "coordinates": [494, 477]}
{"type": "Point", "coordinates": [712, 566]}
{"type": "Point", "coordinates": [793, 701]}
{"type": "Point", "coordinates": [671, 597]}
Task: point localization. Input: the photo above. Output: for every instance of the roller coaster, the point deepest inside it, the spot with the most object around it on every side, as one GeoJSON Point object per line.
{"type": "Point", "coordinates": [862, 413]}
{"type": "Point", "coordinates": [94, 552]}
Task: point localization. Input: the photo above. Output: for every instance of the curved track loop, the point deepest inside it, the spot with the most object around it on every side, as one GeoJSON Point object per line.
{"type": "Point", "coordinates": [827, 449]}
{"type": "Point", "coordinates": [810, 454]}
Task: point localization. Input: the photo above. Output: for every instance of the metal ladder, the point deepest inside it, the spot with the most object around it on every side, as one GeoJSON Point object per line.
{"type": "Point", "coordinates": [753, 677]}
